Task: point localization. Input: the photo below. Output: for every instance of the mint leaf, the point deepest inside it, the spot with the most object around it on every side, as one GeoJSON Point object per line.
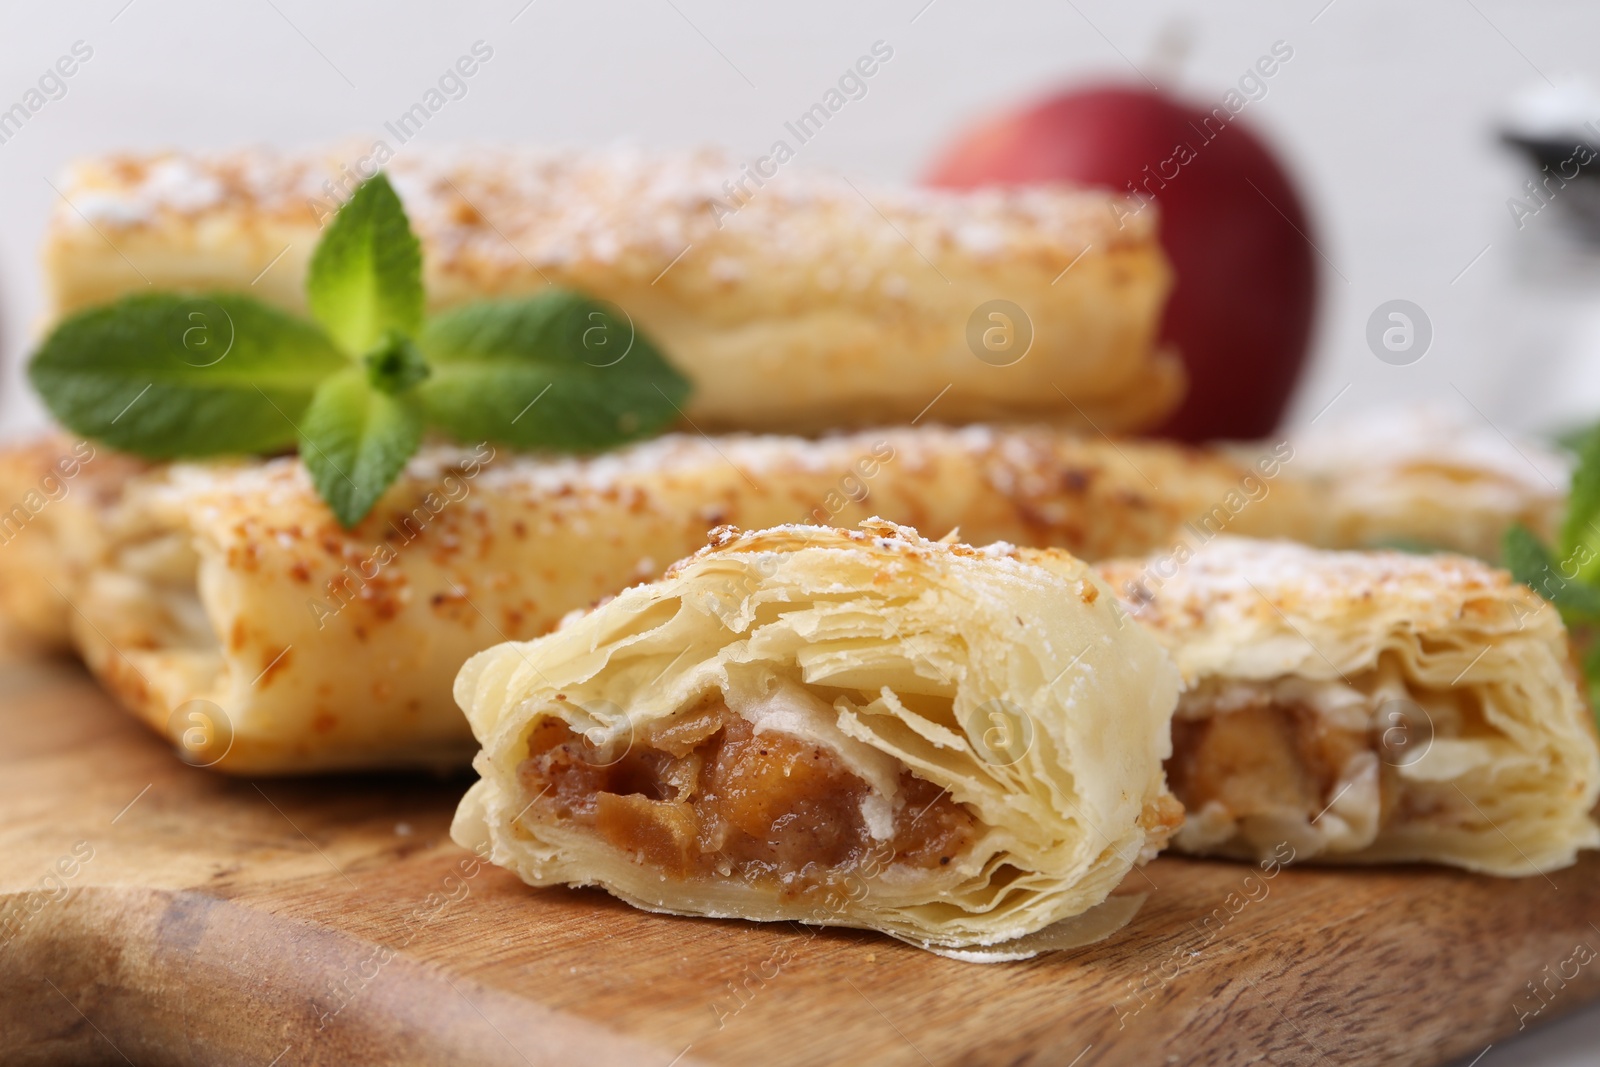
{"type": "Point", "coordinates": [1524, 556]}
{"type": "Point", "coordinates": [395, 364]}
{"type": "Point", "coordinates": [1591, 674]}
{"type": "Point", "coordinates": [556, 370]}
{"type": "Point", "coordinates": [1531, 564]}
{"type": "Point", "coordinates": [1408, 545]}
{"type": "Point", "coordinates": [355, 439]}
{"type": "Point", "coordinates": [165, 375]}
{"type": "Point", "coordinates": [1573, 438]}
{"type": "Point", "coordinates": [366, 274]}
{"type": "Point", "coordinates": [1580, 534]}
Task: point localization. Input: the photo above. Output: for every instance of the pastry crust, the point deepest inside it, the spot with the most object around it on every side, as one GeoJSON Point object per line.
{"type": "Point", "coordinates": [202, 575]}
{"type": "Point", "coordinates": [1443, 485]}
{"type": "Point", "coordinates": [330, 649]}
{"type": "Point", "coordinates": [1370, 707]}
{"type": "Point", "coordinates": [901, 659]}
{"type": "Point", "coordinates": [816, 303]}
{"type": "Point", "coordinates": [53, 491]}
{"type": "Point", "coordinates": [1421, 477]}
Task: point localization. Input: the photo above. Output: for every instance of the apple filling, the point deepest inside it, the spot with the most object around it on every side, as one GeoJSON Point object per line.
{"type": "Point", "coordinates": [1263, 759]}
{"type": "Point", "coordinates": [1324, 767]}
{"type": "Point", "coordinates": [710, 794]}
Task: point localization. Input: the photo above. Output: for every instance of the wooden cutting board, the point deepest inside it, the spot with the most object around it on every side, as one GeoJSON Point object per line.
{"type": "Point", "coordinates": [153, 913]}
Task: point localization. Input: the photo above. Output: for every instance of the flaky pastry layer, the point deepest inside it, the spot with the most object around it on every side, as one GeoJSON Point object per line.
{"type": "Point", "coordinates": [1370, 707]}
{"type": "Point", "coordinates": [960, 747]}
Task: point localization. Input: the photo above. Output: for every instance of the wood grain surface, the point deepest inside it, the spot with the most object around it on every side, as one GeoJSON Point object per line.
{"type": "Point", "coordinates": [154, 913]}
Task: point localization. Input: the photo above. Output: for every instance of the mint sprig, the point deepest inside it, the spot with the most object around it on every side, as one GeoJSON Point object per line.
{"type": "Point", "coordinates": [1580, 533]}
{"type": "Point", "coordinates": [169, 375]}
{"type": "Point", "coordinates": [1531, 563]}
{"type": "Point", "coordinates": [1569, 577]}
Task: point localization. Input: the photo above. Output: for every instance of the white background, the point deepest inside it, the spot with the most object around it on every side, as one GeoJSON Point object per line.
{"type": "Point", "coordinates": [1387, 114]}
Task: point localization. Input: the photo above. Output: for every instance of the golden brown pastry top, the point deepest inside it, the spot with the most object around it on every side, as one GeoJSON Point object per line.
{"type": "Point", "coordinates": [1250, 586]}
{"type": "Point", "coordinates": [490, 214]}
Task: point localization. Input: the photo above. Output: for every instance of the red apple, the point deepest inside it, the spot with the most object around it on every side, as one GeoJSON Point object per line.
{"type": "Point", "coordinates": [1231, 223]}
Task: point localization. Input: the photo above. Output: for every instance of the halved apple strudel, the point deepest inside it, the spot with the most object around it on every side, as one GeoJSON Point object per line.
{"type": "Point", "coordinates": [1369, 707]}
{"type": "Point", "coordinates": [959, 747]}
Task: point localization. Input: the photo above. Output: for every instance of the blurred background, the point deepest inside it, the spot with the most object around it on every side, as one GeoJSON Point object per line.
{"type": "Point", "coordinates": [1389, 117]}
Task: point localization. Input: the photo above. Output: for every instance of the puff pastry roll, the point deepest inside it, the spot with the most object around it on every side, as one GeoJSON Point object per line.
{"type": "Point", "coordinates": [1415, 478]}
{"type": "Point", "coordinates": [53, 491]}
{"type": "Point", "coordinates": [326, 648]}
{"type": "Point", "coordinates": [1430, 478]}
{"type": "Point", "coordinates": [807, 304]}
{"type": "Point", "coordinates": [959, 747]}
{"type": "Point", "coordinates": [1369, 707]}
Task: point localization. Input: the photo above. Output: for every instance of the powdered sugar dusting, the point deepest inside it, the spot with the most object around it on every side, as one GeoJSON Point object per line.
{"type": "Point", "coordinates": [1399, 440]}
{"type": "Point", "coordinates": [616, 207]}
{"type": "Point", "coordinates": [1238, 578]}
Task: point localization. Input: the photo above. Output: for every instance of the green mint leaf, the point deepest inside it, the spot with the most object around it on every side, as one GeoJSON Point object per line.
{"type": "Point", "coordinates": [1574, 437]}
{"type": "Point", "coordinates": [1531, 564]}
{"type": "Point", "coordinates": [165, 375]}
{"type": "Point", "coordinates": [355, 440]}
{"type": "Point", "coordinates": [1580, 534]}
{"type": "Point", "coordinates": [395, 364]}
{"type": "Point", "coordinates": [1408, 545]}
{"type": "Point", "coordinates": [366, 274]}
{"type": "Point", "coordinates": [1524, 556]}
{"type": "Point", "coordinates": [1591, 672]}
{"type": "Point", "coordinates": [557, 370]}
